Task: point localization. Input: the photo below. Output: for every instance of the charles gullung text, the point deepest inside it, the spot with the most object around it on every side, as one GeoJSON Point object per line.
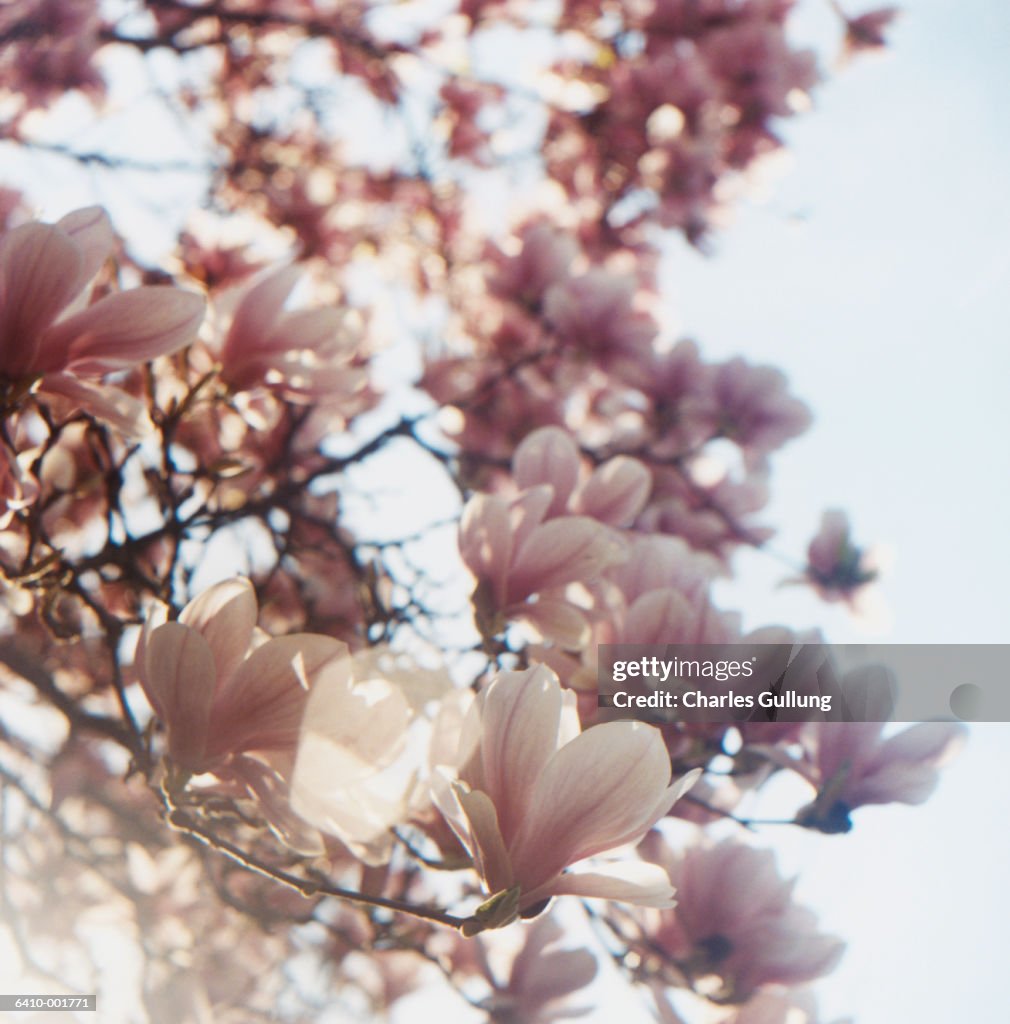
{"type": "Point", "coordinates": [661, 671]}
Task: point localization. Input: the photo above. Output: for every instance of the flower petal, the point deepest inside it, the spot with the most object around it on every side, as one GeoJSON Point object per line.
{"type": "Point", "coordinates": [39, 270]}
{"type": "Point", "coordinates": [485, 541]}
{"type": "Point", "coordinates": [261, 706]}
{"type": "Point", "coordinates": [548, 456]}
{"type": "Point", "coordinates": [257, 312]}
{"type": "Point", "coordinates": [645, 885]}
{"type": "Point", "coordinates": [561, 551]}
{"type": "Point", "coordinates": [520, 714]}
{"type": "Point", "coordinates": [91, 231]}
{"type": "Point", "coordinates": [597, 792]}
{"type": "Point", "coordinates": [617, 491]}
{"type": "Point", "coordinates": [486, 844]}
{"type": "Point", "coordinates": [123, 330]}
{"type": "Point", "coordinates": [178, 678]}
{"type": "Point", "coordinates": [225, 616]}
{"type": "Point", "coordinates": [111, 405]}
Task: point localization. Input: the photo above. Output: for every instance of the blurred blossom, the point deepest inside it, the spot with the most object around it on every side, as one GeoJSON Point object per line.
{"type": "Point", "coordinates": [851, 765]}
{"type": "Point", "coordinates": [836, 568]}
{"type": "Point", "coordinates": [735, 922]}
{"type": "Point", "coordinates": [541, 977]}
{"type": "Point", "coordinates": [354, 777]}
{"type": "Point", "coordinates": [305, 355]}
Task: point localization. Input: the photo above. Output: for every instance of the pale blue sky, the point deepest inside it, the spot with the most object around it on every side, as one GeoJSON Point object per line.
{"type": "Point", "coordinates": [878, 278]}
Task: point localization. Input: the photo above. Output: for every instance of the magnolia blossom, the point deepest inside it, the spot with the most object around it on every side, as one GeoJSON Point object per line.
{"type": "Point", "coordinates": [353, 776]}
{"type": "Point", "coordinates": [48, 330]}
{"type": "Point", "coordinates": [851, 764]}
{"type": "Point", "coordinates": [515, 555]}
{"type": "Point", "coordinates": [836, 568]}
{"type": "Point", "coordinates": [305, 355]}
{"type": "Point", "coordinates": [223, 688]}
{"type": "Point", "coordinates": [542, 976]}
{"type": "Point", "coordinates": [736, 921]}
{"type": "Point", "coordinates": [530, 795]}
{"type": "Point", "coordinates": [613, 494]}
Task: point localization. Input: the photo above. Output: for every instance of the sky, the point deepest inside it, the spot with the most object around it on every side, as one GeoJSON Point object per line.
{"type": "Point", "coordinates": [877, 276]}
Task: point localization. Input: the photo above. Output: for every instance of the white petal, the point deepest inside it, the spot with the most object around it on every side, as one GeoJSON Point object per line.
{"type": "Point", "coordinates": [632, 881]}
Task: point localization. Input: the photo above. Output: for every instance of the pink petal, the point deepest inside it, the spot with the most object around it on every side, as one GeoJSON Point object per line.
{"type": "Point", "coordinates": [261, 706]}
{"type": "Point", "coordinates": [91, 231]}
{"type": "Point", "coordinates": [258, 311]}
{"type": "Point", "coordinates": [111, 405]}
{"type": "Point", "coordinates": [599, 791]}
{"type": "Point", "coordinates": [645, 885]}
{"type": "Point", "coordinates": [660, 616]}
{"type": "Point", "coordinates": [485, 541]}
{"type": "Point", "coordinates": [562, 551]}
{"type": "Point", "coordinates": [540, 975]}
{"type": "Point", "coordinates": [617, 491]}
{"type": "Point", "coordinates": [527, 512]}
{"type": "Point", "coordinates": [551, 976]}
{"type": "Point", "coordinates": [558, 621]}
{"type": "Point", "coordinates": [225, 616]}
{"type": "Point", "coordinates": [313, 330]}
{"type": "Point", "coordinates": [366, 722]}
{"type": "Point", "coordinates": [39, 270]}
{"type": "Point", "coordinates": [179, 680]}
{"type": "Point", "coordinates": [548, 456]}
{"type": "Point", "coordinates": [486, 844]}
{"type": "Point", "coordinates": [123, 330]}
{"type": "Point", "coordinates": [520, 715]}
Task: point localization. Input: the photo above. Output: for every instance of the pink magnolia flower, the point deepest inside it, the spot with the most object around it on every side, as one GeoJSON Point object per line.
{"type": "Point", "coordinates": [530, 795]}
{"type": "Point", "coordinates": [48, 330]}
{"type": "Point", "coordinates": [851, 764]}
{"type": "Point", "coordinates": [305, 355]}
{"type": "Point", "coordinates": [222, 688]}
{"type": "Point", "coordinates": [836, 568]}
{"type": "Point", "coordinates": [355, 774]}
{"type": "Point", "coordinates": [595, 313]}
{"type": "Point", "coordinates": [736, 921]}
{"type": "Point", "coordinates": [542, 976]}
{"type": "Point", "coordinates": [544, 260]}
{"type": "Point", "coordinates": [614, 493]}
{"type": "Point", "coordinates": [516, 555]}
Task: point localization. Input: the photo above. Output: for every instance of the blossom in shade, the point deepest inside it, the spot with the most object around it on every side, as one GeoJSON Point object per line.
{"type": "Point", "coordinates": [736, 927]}
{"type": "Point", "coordinates": [49, 331]}
{"type": "Point", "coordinates": [222, 688]}
{"type": "Point", "coordinates": [529, 795]}
{"type": "Point", "coordinates": [851, 764]}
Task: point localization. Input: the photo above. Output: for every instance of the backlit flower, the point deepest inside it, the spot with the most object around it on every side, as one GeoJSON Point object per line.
{"type": "Point", "coordinates": [530, 796]}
